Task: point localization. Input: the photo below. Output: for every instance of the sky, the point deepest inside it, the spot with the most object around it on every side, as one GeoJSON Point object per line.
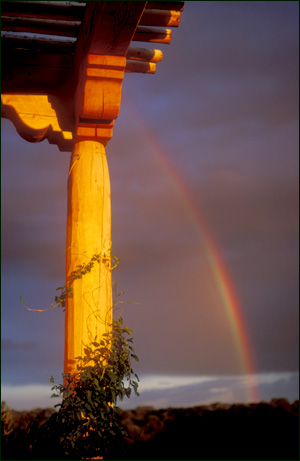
{"type": "Point", "coordinates": [203, 165]}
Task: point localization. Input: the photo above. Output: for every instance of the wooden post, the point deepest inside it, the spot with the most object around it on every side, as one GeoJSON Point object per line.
{"type": "Point", "coordinates": [69, 92]}
{"type": "Point", "coordinates": [89, 311]}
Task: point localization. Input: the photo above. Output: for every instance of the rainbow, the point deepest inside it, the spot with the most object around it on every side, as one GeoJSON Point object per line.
{"type": "Point", "coordinates": [218, 267]}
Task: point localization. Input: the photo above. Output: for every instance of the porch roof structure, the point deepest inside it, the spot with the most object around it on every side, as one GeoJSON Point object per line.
{"type": "Point", "coordinates": [47, 46]}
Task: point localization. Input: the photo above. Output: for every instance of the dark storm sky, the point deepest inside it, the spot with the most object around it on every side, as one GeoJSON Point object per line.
{"type": "Point", "coordinates": [223, 110]}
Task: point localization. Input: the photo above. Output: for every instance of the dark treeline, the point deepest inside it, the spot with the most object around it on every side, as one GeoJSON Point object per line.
{"type": "Point", "coordinates": [215, 432]}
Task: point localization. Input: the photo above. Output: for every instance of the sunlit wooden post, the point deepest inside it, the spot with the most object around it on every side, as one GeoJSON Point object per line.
{"type": "Point", "coordinates": [89, 311]}
{"type": "Point", "coordinates": [96, 105]}
{"type": "Point", "coordinates": [69, 92]}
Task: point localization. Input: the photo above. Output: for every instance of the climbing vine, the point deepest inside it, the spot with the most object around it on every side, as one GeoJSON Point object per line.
{"type": "Point", "coordinates": [86, 423]}
{"type": "Point", "coordinates": [111, 262]}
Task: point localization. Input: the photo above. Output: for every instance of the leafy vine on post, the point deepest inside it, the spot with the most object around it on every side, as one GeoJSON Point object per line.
{"type": "Point", "coordinates": [86, 424]}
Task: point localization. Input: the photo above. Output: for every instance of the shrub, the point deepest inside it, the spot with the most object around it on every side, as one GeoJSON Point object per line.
{"type": "Point", "coordinates": [85, 424]}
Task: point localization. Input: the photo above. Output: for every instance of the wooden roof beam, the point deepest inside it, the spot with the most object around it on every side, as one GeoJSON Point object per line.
{"type": "Point", "coordinates": [40, 26]}
{"type": "Point", "coordinates": [47, 72]}
{"type": "Point", "coordinates": [153, 35]}
{"type": "Point", "coordinates": [35, 43]}
{"type": "Point", "coordinates": [142, 60]}
{"type": "Point", "coordinates": [160, 18]}
{"type": "Point", "coordinates": [60, 61]}
{"type": "Point", "coordinates": [140, 67]}
{"type": "Point", "coordinates": [67, 11]}
{"type": "Point", "coordinates": [71, 72]}
{"type": "Point", "coordinates": [144, 54]}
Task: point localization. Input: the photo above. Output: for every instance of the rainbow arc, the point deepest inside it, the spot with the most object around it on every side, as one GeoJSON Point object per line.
{"type": "Point", "coordinates": [217, 264]}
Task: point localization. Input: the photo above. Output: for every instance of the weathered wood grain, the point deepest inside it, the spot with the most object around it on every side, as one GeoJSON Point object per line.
{"type": "Point", "coordinates": [40, 26]}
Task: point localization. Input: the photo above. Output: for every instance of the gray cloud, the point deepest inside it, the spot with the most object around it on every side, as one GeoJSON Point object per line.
{"type": "Point", "coordinates": [11, 345]}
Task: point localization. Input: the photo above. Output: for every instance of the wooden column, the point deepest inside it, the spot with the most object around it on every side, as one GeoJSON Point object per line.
{"type": "Point", "coordinates": [89, 311]}
{"type": "Point", "coordinates": [97, 104]}
{"type": "Point", "coordinates": [69, 92]}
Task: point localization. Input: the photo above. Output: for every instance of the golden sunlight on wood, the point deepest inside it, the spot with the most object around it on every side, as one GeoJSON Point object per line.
{"type": "Point", "coordinates": [64, 84]}
{"type": "Point", "coordinates": [89, 311]}
{"type": "Point", "coordinates": [34, 118]}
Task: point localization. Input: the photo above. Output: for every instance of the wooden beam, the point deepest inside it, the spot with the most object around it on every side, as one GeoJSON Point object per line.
{"type": "Point", "coordinates": [103, 76]}
{"type": "Point", "coordinates": [40, 26]}
{"type": "Point", "coordinates": [144, 54]}
{"type": "Point", "coordinates": [35, 120]}
{"type": "Point", "coordinates": [50, 3]}
{"type": "Point", "coordinates": [67, 70]}
{"type": "Point", "coordinates": [158, 18]}
{"type": "Point", "coordinates": [140, 67]}
{"type": "Point", "coordinates": [153, 35]}
{"type": "Point", "coordinates": [67, 11]}
{"type": "Point", "coordinates": [99, 63]}
{"type": "Point", "coordinates": [36, 43]}
{"type": "Point", "coordinates": [104, 29]}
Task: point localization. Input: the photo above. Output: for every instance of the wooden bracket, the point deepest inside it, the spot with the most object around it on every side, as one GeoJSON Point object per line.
{"type": "Point", "coordinates": [35, 119]}
{"type": "Point", "coordinates": [99, 64]}
{"type": "Point", "coordinates": [98, 97]}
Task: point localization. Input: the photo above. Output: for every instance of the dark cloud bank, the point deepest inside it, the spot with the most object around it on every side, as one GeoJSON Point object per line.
{"type": "Point", "coordinates": [223, 107]}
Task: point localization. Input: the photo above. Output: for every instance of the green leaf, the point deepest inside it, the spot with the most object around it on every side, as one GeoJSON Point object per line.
{"type": "Point", "coordinates": [85, 416]}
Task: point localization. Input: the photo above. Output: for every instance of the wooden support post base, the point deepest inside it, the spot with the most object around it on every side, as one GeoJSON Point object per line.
{"type": "Point", "coordinates": [89, 311]}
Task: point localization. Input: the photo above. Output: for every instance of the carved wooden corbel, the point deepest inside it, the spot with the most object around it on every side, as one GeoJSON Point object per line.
{"type": "Point", "coordinates": [96, 105]}
{"type": "Point", "coordinates": [35, 119]}
{"type": "Point", "coordinates": [98, 97]}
